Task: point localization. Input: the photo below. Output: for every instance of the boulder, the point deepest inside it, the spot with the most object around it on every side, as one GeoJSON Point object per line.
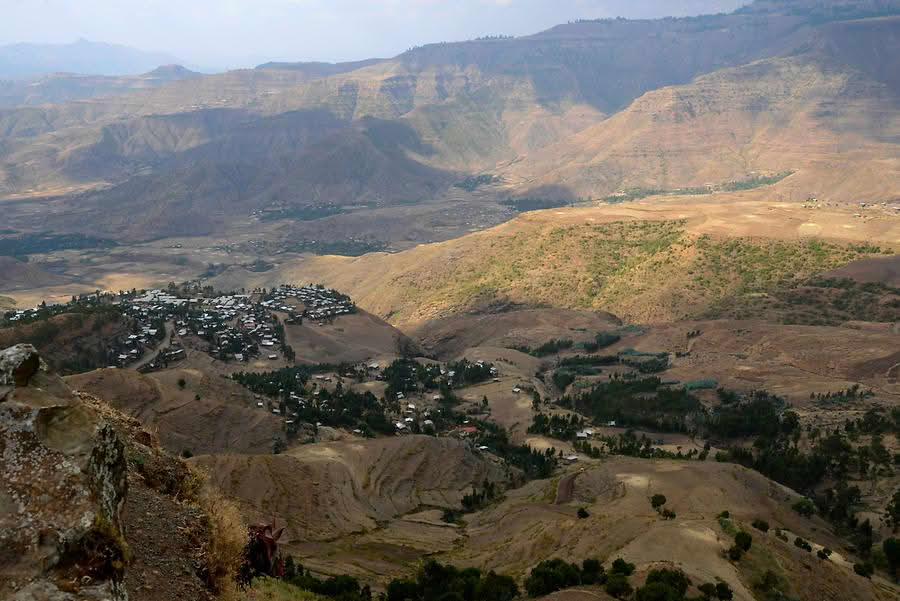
{"type": "Point", "coordinates": [63, 481]}
{"type": "Point", "coordinates": [18, 364]}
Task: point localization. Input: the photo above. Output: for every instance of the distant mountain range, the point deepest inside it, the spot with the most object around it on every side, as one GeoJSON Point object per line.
{"type": "Point", "coordinates": [589, 109]}
{"type": "Point", "coordinates": [26, 60]}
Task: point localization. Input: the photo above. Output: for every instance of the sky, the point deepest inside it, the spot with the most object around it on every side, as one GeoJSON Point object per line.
{"type": "Point", "coordinates": [238, 33]}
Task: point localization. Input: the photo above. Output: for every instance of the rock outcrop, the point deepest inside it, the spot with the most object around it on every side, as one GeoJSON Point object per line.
{"type": "Point", "coordinates": [63, 481]}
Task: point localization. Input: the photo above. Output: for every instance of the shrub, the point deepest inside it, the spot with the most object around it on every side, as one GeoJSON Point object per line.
{"type": "Point", "coordinates": [824, 553]}
{"type": "Point", "coordinates": [592, 572]}
{"type": "Point", "coordinates": [723, 591]}
{"type": "Point", "coordinates": [668, 514]}
{"type": "Point", "coordinates": [724, 515]}
{"type": "Point", "coordinates": [804, 507]}
{"type": "Point", "coordinates": [799, 542]}
{"type": "Point", "coordinates": [743, 540]}
{"type": "Point", "coordinates": [224, 550]}
{"type": "Point", "coordinates": [582, 513]}
{"type": "Point", "coordinates": [670, 580]}
{"type": "Point", "coordinates": [620, 566]}
{"type": "Point", "coordinates": [864, 569]}
{"type": "Point", "coordinates": [181, 383]}
{"type": "Point", "coordinates": [735, 553]}
{"type": "Point", "coordinates": [552, 575]}
{"type": "Point", "coordinates": [761, 525]}
{"type": "Point", "coordinates": [617, 586]}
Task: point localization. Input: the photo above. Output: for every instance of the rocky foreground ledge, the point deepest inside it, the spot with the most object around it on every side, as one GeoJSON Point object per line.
{"type": "Point", "coordinates": [63, 481]}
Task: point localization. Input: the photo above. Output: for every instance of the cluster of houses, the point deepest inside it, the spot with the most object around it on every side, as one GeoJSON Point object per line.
{"type": "Point", "coordinates": [320, 303]}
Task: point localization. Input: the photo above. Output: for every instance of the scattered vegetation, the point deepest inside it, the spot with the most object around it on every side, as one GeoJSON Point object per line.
{"type": "Point", "coordinates": [47, 242]}
{"type": "Point", "coordinates": [471, 183]}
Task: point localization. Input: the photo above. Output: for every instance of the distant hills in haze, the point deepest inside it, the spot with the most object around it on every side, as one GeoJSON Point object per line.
{"type": "Point", "coordinates": [27, 60]}
{"type": "Point", "coordinates": [608, 108]}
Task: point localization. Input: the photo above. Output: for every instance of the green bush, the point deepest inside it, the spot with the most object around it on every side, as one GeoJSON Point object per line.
{"type": "Point", "coordinates": [617, 585]}
{"type": "Point", "coordinates": [804, 507]}
{"type": "Point", "coordinates": [743, 540]}
{"type": "Point", "coordinates": [620, 566]}
{"type": "Point", "coordinates": [761, 525]}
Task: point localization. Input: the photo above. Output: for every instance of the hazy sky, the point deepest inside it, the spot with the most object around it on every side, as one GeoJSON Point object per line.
{"type": "Point", "coordinates": [220, 33]}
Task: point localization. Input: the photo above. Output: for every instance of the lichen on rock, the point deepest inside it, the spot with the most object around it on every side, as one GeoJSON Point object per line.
{"type": "Point", "coordinates": [62, 487]}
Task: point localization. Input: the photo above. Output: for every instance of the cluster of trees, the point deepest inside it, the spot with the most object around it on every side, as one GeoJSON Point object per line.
{"type": "Point", "coordinates": [842, 396]}
{"type": "Point", "coordinates": [476, 499]}
{"type": "Point", "coordinates": [533, 463]}
{"type": "Point", "coordinates": [340, 407]}
{"type": "Point", "coordinates": [46, 242]}
{"type": "Point", "coordinates": [658, 502]}
{"type": "Point", "coordinates": [632, 401]}
{"type": "Point", "coordinates": [349, 247]}
{"type": "Point", "coordinates": [646, 363]}
{"type": "Point", "coordinates": [466, 373]}
{"type": "Point", "coordinates": [562, 427]}
{"type": "Point", "coordinates": [307, 213]}
{"type": "Point", "coordinates": [449, 583]}
{"type": "Point", "coordinates": [552, 575]}
{"type": "Point", "coordinates": [535, 204]}
{"type": "Point", "coordinates": [551, 347]}
{"type": "Point", "coordinates": [341, 588]}
{"type": "Point", "coordinates": [472, 182]}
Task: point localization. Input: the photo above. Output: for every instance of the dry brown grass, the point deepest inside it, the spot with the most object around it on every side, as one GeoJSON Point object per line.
{"type": "Point", "coordinates": [227, 534]}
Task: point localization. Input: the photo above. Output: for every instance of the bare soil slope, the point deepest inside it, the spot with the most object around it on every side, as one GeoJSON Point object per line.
{"type": "Point", "coordinates": [510, 327]}
{"type": "Point", "coordinates": [224, 419]}
{"type": "Point", "coordinates": [885, 270]}
{"type": "Point", "coordinates": [528, 527]}
{"type": "Point", "coordinates": [334, 489]}
{"type": "Point", "coordinates": [17, 275]}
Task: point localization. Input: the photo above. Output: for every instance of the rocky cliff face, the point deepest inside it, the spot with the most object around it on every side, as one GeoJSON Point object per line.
{"type": "Point", "coordinates": [63, 481]}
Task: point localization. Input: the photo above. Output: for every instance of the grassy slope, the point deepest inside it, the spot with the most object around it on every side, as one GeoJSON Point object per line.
{"type": "Point", "coordinates": [640, 270]}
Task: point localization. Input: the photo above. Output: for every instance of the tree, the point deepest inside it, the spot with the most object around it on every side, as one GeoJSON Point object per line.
{"type": "Point", "coordinates": [620, 566]}
{"type": "Point", "coordinates": [743, 540]}
{"type": "Point", "coordinates": [279, 446]}
{"type": "Point", "coordinates": [707, 589]}
{"type": "Point", "coordinates": [891, 548]}
{"type": "Point", "coordinates": [497, 587]}
{"type": "Point", "coordinates": [667, 584]}
{"type": "Point", "coordinates": [735, 553]}
{"type": "Point", "coordinates": [893, 510]}
{"type": "Point", "coordinates": [617, 586]}
{"type": "Point", "coordinates": [804, 507]}
{"type": "Point", "coordinates": [592, 572]}
{"type": "Point", "coordinates": [761, 525]}
{"type": "Point", "coordinates": [657, 501]}
{"type": "Point", "coordinates": [181, 383]}
{"type": "Point", "coordinates": [582, 513]}
{"type": "Point", "coordinates": [724, 592]}
{"type": "Point", "coordinates": [290, 569]}
{"type": "Point", "coordinates": [405, 346]}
